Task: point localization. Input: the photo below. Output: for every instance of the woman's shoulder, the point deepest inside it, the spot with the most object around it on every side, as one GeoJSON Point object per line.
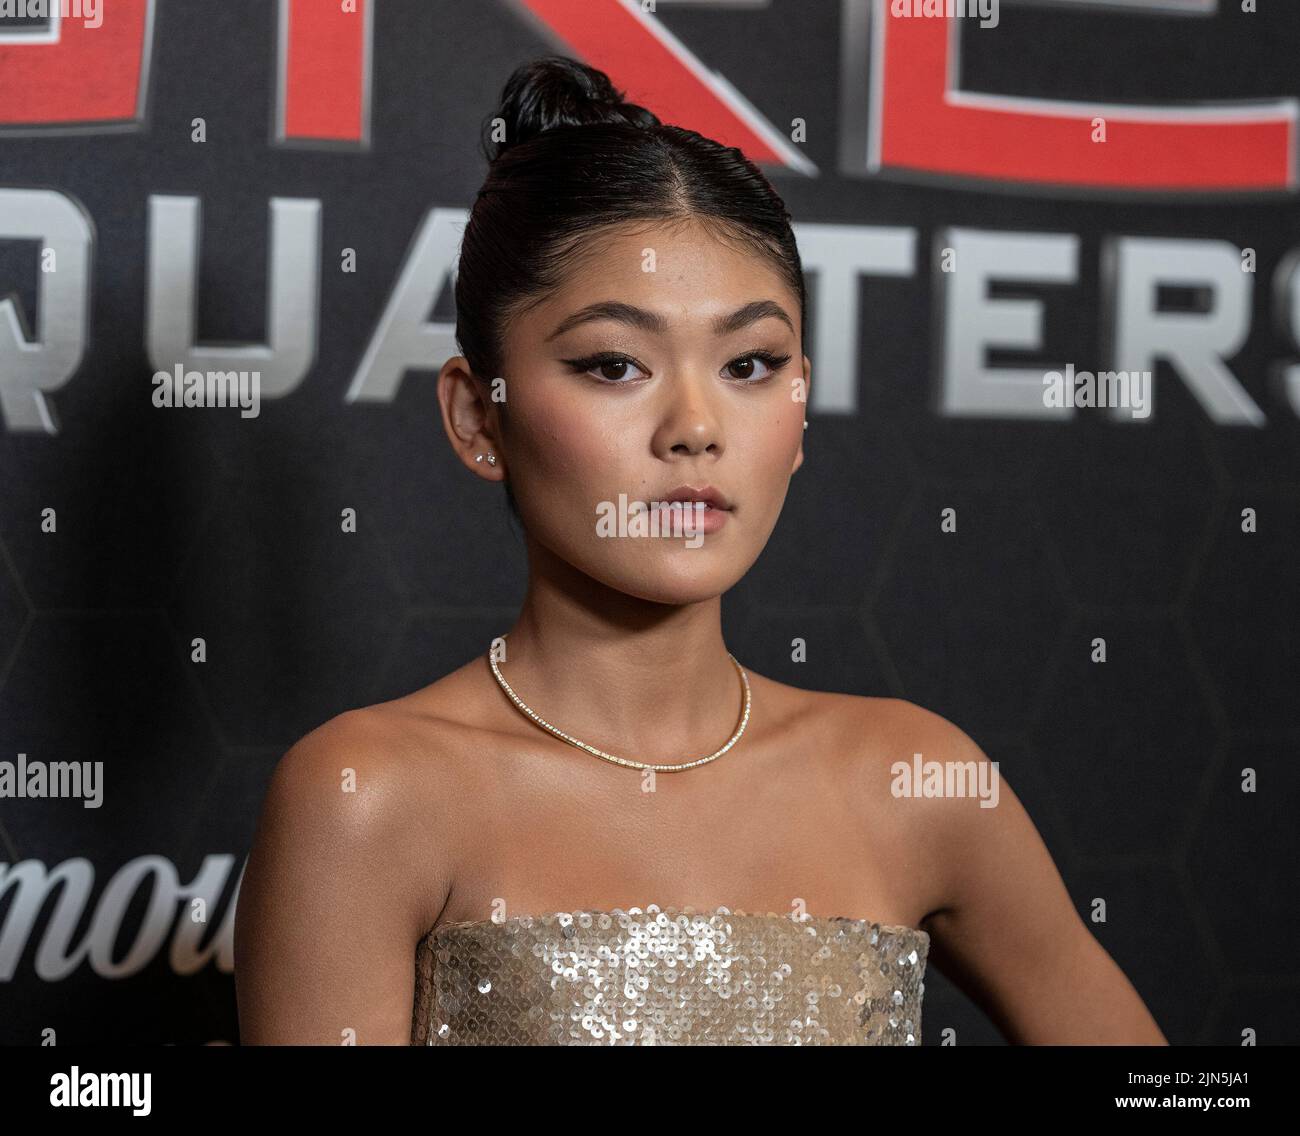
{"type": "Point", "coordinates": [902, 727]}
{"type": "Point", "coordinates": [865, 744]}
{"type": "Point", "coordinates": [865, 726]}
{"type": "Point", "coordinates": [388, 764]}
{"type": "Point", "coordinates": [389, 787]}
{"type": "Point", "coordinates": [891, 754]}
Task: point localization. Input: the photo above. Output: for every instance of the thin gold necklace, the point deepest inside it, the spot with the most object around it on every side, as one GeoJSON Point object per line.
{"type": "Point", "coordinates": [534, 716]}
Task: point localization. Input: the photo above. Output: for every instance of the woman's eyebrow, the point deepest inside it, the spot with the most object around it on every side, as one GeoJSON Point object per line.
{"type": "Point", "coordinates": [752, 312]}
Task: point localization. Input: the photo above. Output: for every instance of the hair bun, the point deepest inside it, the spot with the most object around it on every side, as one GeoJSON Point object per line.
{"type": "Point", "coordinates": [556, 91]}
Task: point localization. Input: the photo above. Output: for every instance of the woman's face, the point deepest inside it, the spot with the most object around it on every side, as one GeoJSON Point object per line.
{"type": "Point", "coordinates": [660, 393]}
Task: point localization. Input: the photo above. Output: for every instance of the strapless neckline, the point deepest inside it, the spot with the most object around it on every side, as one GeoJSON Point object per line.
{"type": "Point", "coordinates": [669, 975]}
{"type": "Point", "coordinates": [652, 910]}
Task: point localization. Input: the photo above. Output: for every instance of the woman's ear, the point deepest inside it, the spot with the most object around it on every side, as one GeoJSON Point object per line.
{"type": "Point", "coordinates": [806, 386]}
{"type": "Point", "coordinates": [465, 419]}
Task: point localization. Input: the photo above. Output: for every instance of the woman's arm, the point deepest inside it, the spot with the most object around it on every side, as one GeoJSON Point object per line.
{"type": "Point", "coordinates": [1009, 934]}
{"type": "Point", "coordinates": [332, 903]}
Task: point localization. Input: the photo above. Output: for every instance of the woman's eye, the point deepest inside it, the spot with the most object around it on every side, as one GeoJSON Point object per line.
{"type": "Point", "coordinates": [615, 370]}
{"type": "Point", "coordinates": [619, 370]}
{"type": "Point", "coordinates": [746, 363]}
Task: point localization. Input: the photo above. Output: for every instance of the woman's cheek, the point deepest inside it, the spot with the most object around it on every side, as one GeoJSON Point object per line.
{"type": "Point", "coordinates": [556, 440]}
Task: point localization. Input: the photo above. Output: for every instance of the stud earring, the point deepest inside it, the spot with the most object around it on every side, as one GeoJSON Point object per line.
{"type": "Point", "coordinates": [805, 424]}
{"type": "Point", "coordinates": [491, 458]}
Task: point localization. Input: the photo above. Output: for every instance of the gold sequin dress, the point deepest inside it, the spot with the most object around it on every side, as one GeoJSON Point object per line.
{"type": "Point", "coordinates": [669, 977]}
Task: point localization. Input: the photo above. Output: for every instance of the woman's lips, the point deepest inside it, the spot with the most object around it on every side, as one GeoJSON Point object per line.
{"type": "Point", "coordinates": [689, 517]}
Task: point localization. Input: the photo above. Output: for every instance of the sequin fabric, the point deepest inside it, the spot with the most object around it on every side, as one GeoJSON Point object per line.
{"type": "Point", "coordinates": [669, 977]}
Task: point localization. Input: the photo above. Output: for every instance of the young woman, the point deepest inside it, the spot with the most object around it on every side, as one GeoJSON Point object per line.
{"type": "Point", "coordinates": [481, 860]}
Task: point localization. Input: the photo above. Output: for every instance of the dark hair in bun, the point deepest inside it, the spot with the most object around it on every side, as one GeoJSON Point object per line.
{"type": "Point", "coordinates": [557, 91]}
{"type": "Point", "coordinates": [568, 156]}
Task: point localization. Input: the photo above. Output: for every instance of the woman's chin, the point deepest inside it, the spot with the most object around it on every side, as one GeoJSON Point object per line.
{"type": "Point", "coordinates": [686, 577]}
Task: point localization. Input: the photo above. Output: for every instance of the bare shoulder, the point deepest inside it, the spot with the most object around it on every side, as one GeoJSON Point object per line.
{"type": "Point", "coordinates": [933, 769]}
{"type": "Point", "coordinates": [866, 732]}
{"type": "Point", "coordinates": [373, 752]}
{"type": "Point", "coordinates": [898, 725]}
{"type": "Point", "coordinates": [381, 783]}
{"type": "Point", "coordinates": [862, 743]}
{"type": "Point", "coordinates": [343, 879]}
{"type": "Point", "coordinates": [400, 746]}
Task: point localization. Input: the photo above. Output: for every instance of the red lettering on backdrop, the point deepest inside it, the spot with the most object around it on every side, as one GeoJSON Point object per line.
{"type": "Point", "coordinates": [924, 126]}
{"type": "Point", "coordinates": [91, 75]}
{"type": "Point", "coordinates": [325, 79]}
{"type": "Point", "coordinates": [94, 75]}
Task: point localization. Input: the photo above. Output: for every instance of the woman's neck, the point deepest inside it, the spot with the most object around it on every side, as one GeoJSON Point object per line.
{"type": "Point", "coordinates": [642, 680]}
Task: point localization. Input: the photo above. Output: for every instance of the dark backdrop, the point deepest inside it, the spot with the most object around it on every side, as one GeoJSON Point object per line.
{"type": "Point", "coordinates": [176, 524]}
